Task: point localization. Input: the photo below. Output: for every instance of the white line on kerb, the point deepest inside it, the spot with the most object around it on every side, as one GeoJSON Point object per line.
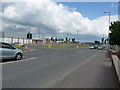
{"type": "Point", "coordinates": [19, 60]}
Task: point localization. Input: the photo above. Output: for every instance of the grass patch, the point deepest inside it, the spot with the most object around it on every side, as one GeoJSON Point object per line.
{"type": "Point", "coordinates": [59, 45]}
{"type": "Point", "coordinates": [112, 48]}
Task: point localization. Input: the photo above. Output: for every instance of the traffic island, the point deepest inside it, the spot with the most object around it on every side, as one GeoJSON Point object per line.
{"type": "Point", "coordinates": [26, 49]}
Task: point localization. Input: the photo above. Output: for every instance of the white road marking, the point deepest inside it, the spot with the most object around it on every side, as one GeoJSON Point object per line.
{"type": "Point", "coordinates": [19, 60]}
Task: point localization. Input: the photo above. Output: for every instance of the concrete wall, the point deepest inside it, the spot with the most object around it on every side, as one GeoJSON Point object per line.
{"type": "Point", "coordinates": [116, 65]}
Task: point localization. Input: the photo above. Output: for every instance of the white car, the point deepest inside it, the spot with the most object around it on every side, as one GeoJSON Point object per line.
{"type": "Point", "coordinates": [8, 51]}
{"type": "Point", "coordinates": [60, 41]}
{"type": "Point", "coordinates": [91, 47]}
{"type": "Point", "coordinates": [100, 48]}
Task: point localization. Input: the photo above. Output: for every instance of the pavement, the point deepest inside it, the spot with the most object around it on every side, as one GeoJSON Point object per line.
{"type": "Point", "coordinates": [98, 73]}
{"type": "Point", "coordinates": [59, 67]}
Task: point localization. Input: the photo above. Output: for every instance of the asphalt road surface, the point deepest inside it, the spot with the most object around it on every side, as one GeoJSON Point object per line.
{"type": "Point", "coordinates": [48, 67]}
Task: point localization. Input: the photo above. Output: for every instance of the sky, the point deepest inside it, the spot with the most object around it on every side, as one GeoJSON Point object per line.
{"type": "Point", "coordinates": [93, 10]}
{"type": "Point", "coordinates": [84, 21]}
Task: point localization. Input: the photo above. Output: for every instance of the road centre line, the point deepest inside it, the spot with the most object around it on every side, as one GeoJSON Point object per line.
{"type": "Point", "coordinates": [18, 61]}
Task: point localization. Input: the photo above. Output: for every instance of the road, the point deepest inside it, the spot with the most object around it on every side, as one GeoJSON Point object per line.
{"type": "Point", "coordinates": [50, 67]}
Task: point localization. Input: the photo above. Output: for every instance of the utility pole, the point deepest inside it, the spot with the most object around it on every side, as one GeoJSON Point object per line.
{"type": "Point", "coordinates": [77, 33]}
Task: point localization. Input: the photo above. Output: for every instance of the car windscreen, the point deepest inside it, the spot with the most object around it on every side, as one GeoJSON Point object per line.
{"type": "Point", "coordinates": [7, 46]}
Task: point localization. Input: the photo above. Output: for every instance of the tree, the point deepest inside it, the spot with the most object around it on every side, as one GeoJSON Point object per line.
{"type": "Point", "coordinates": [97, 42]}
{"type": "Point", "coordinates": [114, 36]}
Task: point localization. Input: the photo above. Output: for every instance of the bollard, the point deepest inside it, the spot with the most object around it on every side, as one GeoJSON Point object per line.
{"type": "Point", "coordinates": [77, 46]}
{"type": "Point", "coordinates": [26, 47]}
{"type": "Point", "coordinates": [18, 45]}
{"type": "Point", "coordinates": [49, 46]}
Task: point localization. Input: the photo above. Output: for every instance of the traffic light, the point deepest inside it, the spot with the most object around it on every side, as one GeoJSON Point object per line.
{"type": "Point", "coordinates": [66, 39]}
{"type": "Point", "coordinates": [55, 39]}
{"type": "Point", "coordinates": [51, 38]}
{"type": "Point", "coordinates": [105, 41]}
{"type": "Point", "coordinates": [29, 35]}
{"type": "Point", "coordinates": [73, 39]}
{"type": "Point", "coordinates": [102, 40]}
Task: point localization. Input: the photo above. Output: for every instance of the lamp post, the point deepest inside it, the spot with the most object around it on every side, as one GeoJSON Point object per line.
{"type": "Point", "coordinates": [77, 33]}
{"type": "Point", "coordinates": [109, 23]}
{"type": "Point", "coordinates": [39, 29]}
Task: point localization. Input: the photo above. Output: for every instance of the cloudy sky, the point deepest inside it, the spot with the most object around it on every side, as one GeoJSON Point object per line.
{"type": "Point", "coordinates": [58, 19]}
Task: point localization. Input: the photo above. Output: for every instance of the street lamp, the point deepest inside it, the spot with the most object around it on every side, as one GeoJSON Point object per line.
{"type": "Point", "coordinates": [77, 33]}
{"type": "Point", "coordinates": [109, 23]}
{"type": "Point", "coordinates": [39, 29]}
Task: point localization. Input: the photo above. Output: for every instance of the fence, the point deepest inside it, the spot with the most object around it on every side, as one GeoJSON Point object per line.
{"type": "Point", "coordinates": [13, 40]}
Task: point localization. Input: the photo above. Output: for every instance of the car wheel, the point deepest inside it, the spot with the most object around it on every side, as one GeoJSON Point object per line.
{"type": "Point", "coordinates": [18, 56]}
